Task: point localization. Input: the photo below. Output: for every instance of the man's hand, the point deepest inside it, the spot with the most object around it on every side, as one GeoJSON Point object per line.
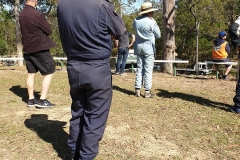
{"type": "Point", "coordinates": [112, 35]}
{"type": "Point", "coordinates": [129, 46]}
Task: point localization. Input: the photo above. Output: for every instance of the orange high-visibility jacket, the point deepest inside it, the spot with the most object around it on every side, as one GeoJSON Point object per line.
{"type": "Point", "coordinates": [219, 52]}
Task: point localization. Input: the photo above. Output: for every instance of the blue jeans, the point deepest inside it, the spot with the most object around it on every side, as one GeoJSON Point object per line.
{"type": "Point", "coordinates": [122, 58]}
{"type": "Point", "coordinates": [144, 71]}
{"type": "Point", "coordinates": [145, 61]}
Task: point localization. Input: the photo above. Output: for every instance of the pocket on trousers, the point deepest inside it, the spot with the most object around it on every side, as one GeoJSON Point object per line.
{"type": "Point", "coordinates": [50, 65]}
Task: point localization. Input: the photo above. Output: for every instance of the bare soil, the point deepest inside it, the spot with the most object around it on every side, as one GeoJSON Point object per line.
{"type": "Point", "coordinates": [187, 119]}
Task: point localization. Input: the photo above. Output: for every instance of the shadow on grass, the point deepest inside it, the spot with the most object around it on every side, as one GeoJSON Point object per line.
{"type": "Point", "coordinates": [7, 69]}
{"type": "Point", "coordinates": [194, 99]}
{"type": "Point", "coordinates": [213, 77]}
{"type": "Point", "coordinates": [50, 131]}
{"type": "Point", "coordinates": [201, 78]}
{"type": "Point", "coordinates": [123, 90]}
{"type": "Point", "coordinates": [22, 92]}
{"type": "Point", "coordinates": [207, 77]}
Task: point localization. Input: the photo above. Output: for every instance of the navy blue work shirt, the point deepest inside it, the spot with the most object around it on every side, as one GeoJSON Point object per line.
{"type": "Point", "coordinates": [86, 26]}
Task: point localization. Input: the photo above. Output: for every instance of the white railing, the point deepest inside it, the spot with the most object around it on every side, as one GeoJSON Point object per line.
{"type": "Point", "coordinates": [55, 58]}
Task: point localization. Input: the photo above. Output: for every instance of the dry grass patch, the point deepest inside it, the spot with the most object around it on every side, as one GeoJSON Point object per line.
{"type": "Point", "coordinates": [187, 119]}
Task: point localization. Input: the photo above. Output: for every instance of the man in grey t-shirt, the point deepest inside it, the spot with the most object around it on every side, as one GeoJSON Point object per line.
{"type": "Point", "coordinates": [123, 49]}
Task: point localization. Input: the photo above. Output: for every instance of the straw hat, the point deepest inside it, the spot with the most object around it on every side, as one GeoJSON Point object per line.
{"type": "Point", "coordinates": [147, 7]}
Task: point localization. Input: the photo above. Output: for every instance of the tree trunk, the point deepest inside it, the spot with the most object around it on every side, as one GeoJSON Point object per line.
{"type": "Point", "coordinates": [197, 32]}
{"type": "Point", "coordinates": [168, 34]}
{"type": "Point", "coordinates": [18, 33]}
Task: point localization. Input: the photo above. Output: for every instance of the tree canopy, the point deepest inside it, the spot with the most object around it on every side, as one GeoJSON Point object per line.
{"type": "Point", "coordinates": [211, 15]}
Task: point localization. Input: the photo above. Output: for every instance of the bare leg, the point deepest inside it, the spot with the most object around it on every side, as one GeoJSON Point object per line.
{"type": "Point", "coordinates": [30, 85]}
{"type": "Point", "coordinates": [45, 85]}
{"type": "Point", "coordinates": [228, 70]}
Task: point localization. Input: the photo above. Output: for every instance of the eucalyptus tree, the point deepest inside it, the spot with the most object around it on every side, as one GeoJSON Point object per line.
{"type": "Point", "coordinates": [231, 9]}
{"type": "Point", "coordinates": [184, 31]}
{"type": "Point", "coordinates": [13, 7]}
{"type": "Point", "coordinates": [199, 11]}
{"type": "Point", "coordinates": [7, 32]}
{"type": "Point", "coordinates": [18, 32]}
{"type": "Point", "coordinates": [168, 34]}
{"type": "Point", "coordinates": [202, 20]}
{"type": "Point", "coordinates": [165, 19]}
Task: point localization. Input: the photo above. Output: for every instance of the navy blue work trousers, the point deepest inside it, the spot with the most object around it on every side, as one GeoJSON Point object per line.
{"type": "Point", "coordinates": [236, 98]}
{"type": "Point", "coordinates": [91, 92]}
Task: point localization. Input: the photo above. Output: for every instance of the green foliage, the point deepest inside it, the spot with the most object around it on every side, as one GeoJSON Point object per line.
{"type": "Point", "coordinates": [159, 42]}
{"type": "Point", "coordinates": [213, 16]}
{"type": "Point", "coordinates": [128, 19]}
{"type": "Point", "coordinates": [114, 52]}
{"type": "Point", "coordinates": [7, 33]}
{"type": "Point", "coordinates": [52, 18]}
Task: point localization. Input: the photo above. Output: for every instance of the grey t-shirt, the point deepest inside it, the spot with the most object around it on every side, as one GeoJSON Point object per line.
{"type": "Point", "coordinates": [123, 41]}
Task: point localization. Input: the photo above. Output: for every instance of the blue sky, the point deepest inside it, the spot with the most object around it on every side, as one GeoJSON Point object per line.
{"type": "Point", "coordinates": [138, 3]}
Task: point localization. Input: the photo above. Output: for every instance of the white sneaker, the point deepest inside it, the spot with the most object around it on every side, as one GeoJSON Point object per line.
{"type": "Point", "coordinates": [137, 92]}
{"type": "Point", "coordinates": [148, 94]}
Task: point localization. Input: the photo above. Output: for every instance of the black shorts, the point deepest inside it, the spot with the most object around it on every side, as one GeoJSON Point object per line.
{"type": "Point", "coordinates": [40, 61]}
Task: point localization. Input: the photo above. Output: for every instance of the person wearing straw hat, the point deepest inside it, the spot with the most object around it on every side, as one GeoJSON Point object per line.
{"type": "Point", "coordinates": [146, 30]}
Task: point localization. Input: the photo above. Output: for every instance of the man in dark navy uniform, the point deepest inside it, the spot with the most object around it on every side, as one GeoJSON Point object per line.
{"type": "Point", "coordinates": [86, 31]}
{"type": "Point", "coordinates": [234, 32]}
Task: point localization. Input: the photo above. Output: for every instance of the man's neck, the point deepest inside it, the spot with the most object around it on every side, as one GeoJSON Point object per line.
{"type": "Point", "coordinates": [31, 3]}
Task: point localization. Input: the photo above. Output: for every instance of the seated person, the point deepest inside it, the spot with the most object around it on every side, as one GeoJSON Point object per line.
{"type": "Point", "coordinates": [220, 52]}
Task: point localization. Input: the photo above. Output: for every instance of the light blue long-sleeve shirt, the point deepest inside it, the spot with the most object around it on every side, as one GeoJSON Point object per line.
{"type": "Point", "coordinates": [146, 29]}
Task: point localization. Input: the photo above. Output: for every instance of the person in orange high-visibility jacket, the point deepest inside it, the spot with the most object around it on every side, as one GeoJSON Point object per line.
{"type": "Point", "coordinates": [220, 52]}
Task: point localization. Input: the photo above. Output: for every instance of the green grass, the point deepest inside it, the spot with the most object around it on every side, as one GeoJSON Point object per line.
{"type": "Point", "coordinates": [187, 119]}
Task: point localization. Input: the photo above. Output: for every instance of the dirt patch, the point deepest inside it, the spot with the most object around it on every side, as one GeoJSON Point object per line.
{"type": "Point", "coordinates": [187, 119]}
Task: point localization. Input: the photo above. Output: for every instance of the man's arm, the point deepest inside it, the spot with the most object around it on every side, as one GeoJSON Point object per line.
{"type": "Point", "coordinates": [133, 40]}
{"type": "Point", "coordinates": [156, 30]}
{"type": "Point", "coordinates": [116, 43]}
{"type": "Point", "coordinates": [44, 25]}
{"type": "Point", "coordinates": [114, 21]}
{"type": "Point", "coordinates": [227, 48]}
